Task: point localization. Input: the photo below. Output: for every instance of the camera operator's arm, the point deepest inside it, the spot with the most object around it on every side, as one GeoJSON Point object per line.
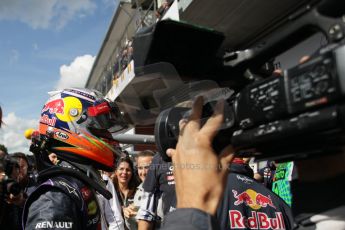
{"type": "Point", "coordinates": [200, 174]}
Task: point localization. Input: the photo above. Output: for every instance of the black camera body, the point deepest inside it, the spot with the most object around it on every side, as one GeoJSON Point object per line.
{"type": "Point", "coordinates": [309, 85]}
{"type": "Point", "coordinates": [304, 103]}
{"type": "Point", "coordinates": [167, 127]}
{"type": "Point", "coordinates": [294, 115]}
{"type": "Point", "coordinates": [276, 112]}
{"type": "Point", "coordinates": [8, 184]}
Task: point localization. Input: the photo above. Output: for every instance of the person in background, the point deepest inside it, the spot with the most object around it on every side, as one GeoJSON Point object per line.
{"type": "Point", "coordinates": [2, 175]}
{"type": "Point", "coordinates": [196, 208]}
{"type": "Point", "coordinates": [32, 166]}
{"type": "Point", "coordinates": [111, 209]}
{"type": "Point", "coordinates": [163, 8]}
{"type": "Point", "coordinates": [265, 175]}
{"type": "Point", "coordinates": [318, 203]}
{"type": "Point", "coordinates": [143, 159]}
{"type": "Point", "coordinates": [159, 194]}
{"type": "Point", "coordinates": [75, 124]}
{"type": "Point", "coordinates": [27, 182]}
{"type": "Point", "coordinates": [10, 203]}
{"type": "Point", "coordinates": [53, 158]}
{"type": "Point", "coordinates": [126, 185]}
{"type": "Point", "coordinates": [5, 221]}
{"type": "Point", "coordinates": [247, 203]}
{"type": "Point", "coordinates": [3, 151]}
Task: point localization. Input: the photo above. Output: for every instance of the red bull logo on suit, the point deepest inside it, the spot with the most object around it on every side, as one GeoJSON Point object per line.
{"type": "Point", "coordinates": [252, 199]}
{"type": "Point", "coordinates": [257, 220]}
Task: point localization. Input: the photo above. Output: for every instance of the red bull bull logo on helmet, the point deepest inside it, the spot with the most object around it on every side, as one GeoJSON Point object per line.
{"type": "Point", "coordinates": [65, 109]}
{"type": "Point", "coordinates": [55, 106]}
{"type": "Point", "coordinates": [252, 199]}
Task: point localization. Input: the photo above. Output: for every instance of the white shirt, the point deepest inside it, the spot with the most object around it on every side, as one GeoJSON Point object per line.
{"type": "Point", "coordinates": [110, 209]}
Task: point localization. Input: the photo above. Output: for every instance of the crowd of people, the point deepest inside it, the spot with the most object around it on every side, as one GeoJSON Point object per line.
{"type": "Point", "coordinates": [82, 179]}
{"type": "Point", "coordinates": [18, 182]}
{"type": "Point", "coordinates": [149, 193]}
{"type": "Point", "coordinates": [199, 189]}
{"type": "Point", "coordinates": [125, 53]}
{"type": "Point", "coordinates": [124, 183]}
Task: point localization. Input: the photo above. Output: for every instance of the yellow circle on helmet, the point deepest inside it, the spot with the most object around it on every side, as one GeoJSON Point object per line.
{"type": "Point", "coordinates": [72, 109]}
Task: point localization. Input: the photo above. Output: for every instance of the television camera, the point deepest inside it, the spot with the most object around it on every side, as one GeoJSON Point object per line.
{"type": "Point", "coordinates": [279, 117]}
{"type": "Point", "coordinates": [9, 185]}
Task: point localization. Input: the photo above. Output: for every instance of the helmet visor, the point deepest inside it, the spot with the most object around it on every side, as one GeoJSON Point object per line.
{"type": "Point", "coordinates": [106, 115]}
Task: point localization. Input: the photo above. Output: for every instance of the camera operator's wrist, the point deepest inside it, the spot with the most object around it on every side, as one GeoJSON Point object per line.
{"type": "Point", "coordinates": [205, 204]}
{"type": "Point", "coordinates": [191, 217]}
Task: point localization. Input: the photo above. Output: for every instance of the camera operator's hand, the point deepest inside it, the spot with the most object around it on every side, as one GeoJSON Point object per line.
{"type": "Point", "coordinates": [200, 174]}
{"type": "Point", "coordinates": [18, 200]}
